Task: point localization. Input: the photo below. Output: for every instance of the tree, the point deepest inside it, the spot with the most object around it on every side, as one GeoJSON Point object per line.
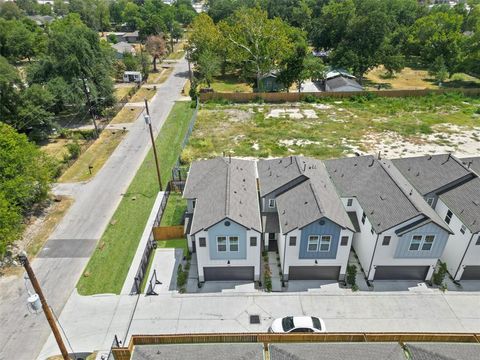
{"type": "Point", "coordinates": [131, 62]}
{"type": "Point", "coordinates": [11, 221]}
{"type": "Point", "coordinates": [157, 48]}
{"type": "Point", "coordinates": [131, 16]}
{"type": "Point", "coordinates": [20, 42]}
{"type": "Point", "coordinates": [203, 36]}
{"type": "Point", "coordinates": [10, 85]}
{"type": "Point", "coordinates": [9, 10]}
{"type": "Point", "coordinates": [208, 66]}
{"type": "Point", "coordinates": [256, 43]}
{"type": "Point", "coordinates": [295, 12]}
{"type": "Point", "coordinates": [439, 70]}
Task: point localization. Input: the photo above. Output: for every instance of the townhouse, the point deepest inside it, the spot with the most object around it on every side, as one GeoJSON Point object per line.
{"type": "Point", "coordinates": [451, 186]}
{"type": "Point", "coordinates": [304, 218]}
{"type": "Point", "coordinates": [398, 235]}
{"type": "Point", "coordinates": [224, 227]}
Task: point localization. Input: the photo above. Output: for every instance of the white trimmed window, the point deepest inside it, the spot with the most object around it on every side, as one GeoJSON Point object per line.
{"type": "Point", "coordinates": [463, 229]}
{"type": "Point", "coordinates": [430, 201]}
{"type": "Point", "coordinates": [233, 243]}
{"type": "Point", "coordinates": [325, 241]}
{"type": "Point", "coordinates": [349, 202]}
{"type": "Point", "coordinates": [448, 217]}
{"type": "Point", "coordinates": [415, 243]}
{"type": "Point", "coordinates": [271, 203]}
{"type": "Point", "coordinates": [428, 242]}
{"type": "Point", "coordinates": [221, 243]}
{"type": "Point", "coordinates": [313, 241]}
{"type": "Point", "coordinates": [364, 216]}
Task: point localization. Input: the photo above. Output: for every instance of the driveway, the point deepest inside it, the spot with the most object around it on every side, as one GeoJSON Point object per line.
{"type": "Point", "coordinates": [23, 334]}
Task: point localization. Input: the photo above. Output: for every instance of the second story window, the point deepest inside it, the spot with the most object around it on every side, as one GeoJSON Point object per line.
{"type": "Point", "coordinates": [253, 241]}
{"type": "Point", "coordinates": [202, 242]}
{"type": "Point", "coordinates": [193, 203]}
{"type": "Point", "coordinates": [478, 240]}
{"type": "Point", "coordinates": [221, 243]}
{"type": "Point", "coordinates": [386, 240]}
{"type": "Point", "coordinates": [233, 243]}
{"type": "Point", "coordinates": [271, 203]}
{"type": "Point", "coordinates": [313, 241]}
{"type": "Point", "coordinates": [325, 243]}
{"type": "Point", "coordinates": [344, 241]}
{"type": "Point", "coordinates": [293, 241]}
{"type": "Point", "coordinates": [364, 216]}
{"type": "Point", "coordinates": [415, 243]}
{"type": "Point", "coordinates": [428, 242]}
{"type": "Point", "coordinates": [349, 202]}
{"type": "Point", "coordinates": [448, 217]}
{"type": "Point", "coordinates": [463, 229]}
{"type": "Point", "coordinates": [430, 201]}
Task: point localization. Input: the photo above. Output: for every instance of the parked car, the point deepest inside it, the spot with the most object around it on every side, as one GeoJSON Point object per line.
{"type": "Point", "coordinates": [297, 324]}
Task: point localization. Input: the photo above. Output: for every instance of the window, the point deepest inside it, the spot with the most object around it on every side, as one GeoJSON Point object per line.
{"type": "Point", "coordinates": [233, 243]}
{"type": "Point", "coordinates": [193, 203]}
{"type": "Point", "coordinates": [349, 202]}
{"type": "Point", "coordinates": [325, 243]}
{"type": "Point", "coordinates": [364, 216]}
{"type": "Point", "coordinates": [253, 241]}
{"type": "Point", "coordinates": [415, 243]}
{"type": "Point", "coordinates": [221, 243]}
{"type": "Point", "coordinates": [430, 201]}
{"type": "Point", "coordinates": [448, 217]}
{"type": "Point", "coordinates": [287, 323]}
{"type": "Point", "coordinates": [428, 242]}
{"type": "Point", "coordinates": [313, 241]}
{"type": "Point", "coordinates": [202, 242]}
{"type": "Point", "coordinates": [463, 229]}
{"type": "Point", "coordinates": [386, 240]}
{"type": "Point", "coordinates": [293, 241]}
{"type": "Point", "coordinates": [344, 241]}
{"type": "Point", "coordinates": [372, 231]}
{"type": "Point", "coordinates": [478, 240]}
{"type": "Point", "coordinates": [271, 203]}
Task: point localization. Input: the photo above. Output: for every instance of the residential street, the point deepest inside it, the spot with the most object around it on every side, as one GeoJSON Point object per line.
{"type": "Point", "coordinates": [62, 260]}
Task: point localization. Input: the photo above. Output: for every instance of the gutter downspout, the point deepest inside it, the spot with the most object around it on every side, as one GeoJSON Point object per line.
{"type": "Point", "coordinates": [373, 257]}
{"type": "Point", "coordinates": [463, 257]}
{"type": "Point", "coordinates": [284, 254]}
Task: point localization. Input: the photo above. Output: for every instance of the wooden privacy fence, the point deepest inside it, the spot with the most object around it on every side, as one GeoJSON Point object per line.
{"type": "Point", "coordinates": [168, 232]}
{"type": "Point", "coordinates": [266, 338]}
{"type": "Point", "coordinates": [295, 96]}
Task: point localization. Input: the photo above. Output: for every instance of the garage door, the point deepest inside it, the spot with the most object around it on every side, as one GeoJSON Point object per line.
{"type": "Point", "coordinates": [313, 272]}
{"type": "Point", "coordinates": [401, 272]}
{"type": "Point", "coordinates": [228, 273]}
{"type": "Point", "coordinates": [471, 273]}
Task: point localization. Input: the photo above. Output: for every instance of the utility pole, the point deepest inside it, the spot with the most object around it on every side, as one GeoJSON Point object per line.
{"type": "Point", "coordinates": [149, 123]}
{"type": "Point", "coordinates": [90, 107]}
{"type": "Point", "coordinates": [46, 309]}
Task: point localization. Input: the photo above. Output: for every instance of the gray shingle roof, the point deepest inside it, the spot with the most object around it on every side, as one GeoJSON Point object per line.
{"type": "Point", "coordinates": [473, 162]}
{"type": "Point", "coordinates": [122, 47]}
{"type": "Point", "coordinates": [443, 351]}
{"type": "Point", "coordinates": [432, 172]}
{"type": "Point", "coordinates": [198, 351]}
{"type": "Point", "coordinates": [386, 203]}
{"type": "Point", "coordinates": [464, 202]}
{"type": "Point", "coordinates": [275, 173]}
{"type": "Point", "coordinates": [336, 351]}
{"type": "Point", "coordinates": [340, 81]}
{"type": "Point", "coordinates": [223, 188]}
{"type": "Point", "coordinates": [311, 200]}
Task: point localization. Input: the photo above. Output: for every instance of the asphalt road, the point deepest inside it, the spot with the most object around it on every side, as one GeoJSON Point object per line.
{"type": "Point", "coordinates": [66, 253]}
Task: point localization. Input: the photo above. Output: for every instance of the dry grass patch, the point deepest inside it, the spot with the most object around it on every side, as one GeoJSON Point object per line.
{"type": "Point", "coordinates": [57, 148]}
{"type": "Point", "coordinates": [160, 77]}
{"type": "Point", "coordinates": [122, 91]}
{"type": "Point", "coordinates": [143, 93]}
{"type": "Point", "coordinates": [176, 55]}
{"type": "Point", "coordinates": [96, 155]}
{"type": "Point", "coordinates": [128, 114]}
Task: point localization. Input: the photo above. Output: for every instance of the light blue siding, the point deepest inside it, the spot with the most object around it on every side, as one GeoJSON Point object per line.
{"type": "Point", "coordinates": [233, 230]}
{"type": "Point", "coordinates": [329, 228]}
{"type": "Point", "coordinates": [441, 237]}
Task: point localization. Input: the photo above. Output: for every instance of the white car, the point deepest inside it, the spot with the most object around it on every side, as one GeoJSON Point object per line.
{"type": "Point", "coordinates": [297, 324]}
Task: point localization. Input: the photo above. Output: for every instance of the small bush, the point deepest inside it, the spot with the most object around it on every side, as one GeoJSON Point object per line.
{"type": "Point", "coordinates": [187, 266]}
{"type": "Point", "coordinates": [182, 278]}
{"type": "Point", "coordinates": [74, 150]}
{"type": "Point", "coordinates": [179, 269]}
{"type": "Point", "coordinates": [309, 98]}
{"type": "Point", "coordinates": [439, 274]}
{"type": "Point", "coordinates": [351, 276]}
{"type": "Point", "coordinates": [268, 283]}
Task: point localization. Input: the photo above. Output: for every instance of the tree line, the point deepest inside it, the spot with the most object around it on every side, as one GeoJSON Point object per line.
{"type": "Point", "coordinates": [255, 37]}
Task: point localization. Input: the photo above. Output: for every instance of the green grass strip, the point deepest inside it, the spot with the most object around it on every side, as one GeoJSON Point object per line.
{"type": "Point", "coordinates": [108, 267]}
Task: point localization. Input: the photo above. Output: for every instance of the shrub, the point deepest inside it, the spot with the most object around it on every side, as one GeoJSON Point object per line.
{"type": "Point", "coordinates": [309, 98]}
{"type": "Point", "coordinates": [439, 274]}
{"type": "Point", "coordinates": [182, 278]}
{"type": "Point", "coordinates": [351, 276]}
{"type": "Point", "coordinates": [74, 150]}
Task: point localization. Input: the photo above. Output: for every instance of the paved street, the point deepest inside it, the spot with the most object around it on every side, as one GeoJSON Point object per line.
{"type": "Point", "coordinates": [91, 322]}
{"type": "Point", "coordinates": [58, 267]}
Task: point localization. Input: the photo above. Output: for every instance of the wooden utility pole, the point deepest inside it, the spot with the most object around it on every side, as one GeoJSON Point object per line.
{"type": "Point", "coordinates": [149, 123]}
{"type": "Point", "coordinates": [46, 309]}
{"type": "Point", "coordinates": [90, 106]}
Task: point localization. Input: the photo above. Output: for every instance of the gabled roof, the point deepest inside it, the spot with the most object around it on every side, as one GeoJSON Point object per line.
{"type": "Point", "coordinates": [432, 172]}
{"type": "Point", "coordinates": [340, 81]}
{"type": "Point", "coordinates": [473, 163]}
{"type": "Point", "coordinates": [386, 203]}
{"type": "Point", "coordinates": [464, 202]}
{"type": "Point", "coordinates": [310, 200]}
{"type": "Point", "coordinates": [223, 188]}
{"type": "Point", "coordinates": [275, 173]}
{"type": "Point", "coordinates": [331, 73]}
{"type": "Point", "coordinates": [123, 47]}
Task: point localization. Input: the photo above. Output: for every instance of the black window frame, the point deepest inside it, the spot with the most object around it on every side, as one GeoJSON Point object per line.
{"type": "Point", "coordinates": [364, 216]}
{"type": "Point", "coordinates": [448, 216]}
{"type": "Point", "coordinates": [344, 241]}
{"type": "Point", "coordinates": [203, 241]}
{"type": "Point", "coordinates": [349, 202]}
{"type": "Point", "coordinates": [386, 240]}
{"type": "Point", "coordinates": [253, 241]}
{"type": "Point", "coordinates": [294, 241]}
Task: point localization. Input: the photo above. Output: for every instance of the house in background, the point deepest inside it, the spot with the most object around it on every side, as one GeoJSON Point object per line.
{"type": "Point", "coordinates": [304, 218]}
{"type": "Point", "coordinates": [130, 37]}
{"type": "Point", "coordinates": [224, 226]}
{"type": "Point", "coordinates": [270, 83]}
{"type": "Point", "coordinates": [452, 188]}
{"type": "Point", "coordinates": [399, 236]}
{"type": "Point", "coordinates": [122, 48]}
{"type": "Point", "coordinates": [340, 80]}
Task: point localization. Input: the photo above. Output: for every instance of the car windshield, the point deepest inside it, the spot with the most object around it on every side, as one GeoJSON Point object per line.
{"type": "Point", "coordinates": [287, 323]}
{"type": "Point", "coordinates": [316, 323]}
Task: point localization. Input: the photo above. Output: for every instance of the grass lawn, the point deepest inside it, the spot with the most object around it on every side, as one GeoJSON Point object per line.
{"type": "Point", "coordinates": [109, 265]}
{"type": "Point", "coordinates": [96, 155]}
{"type": "Point", "coordinates": [159, 77]}
{"type": "Point", "coordinates": [141, 94]}
{"type": "Point", "coordinates": [174, 211]}
{"type": "Point", "coordinates": [230, 83]}
{"type": "Point", "coordinates": [122, 91]}
{"type": "Point", "coordinates": [410, 78]}
{"type": "Point", "coordinates": [176, 55]}
{"type": "Point", "coordinates": [328, 129]}
{"type": "Point", "coordinates": [128, 114]}
{"type": "Point", "coordinates": [57, 149]}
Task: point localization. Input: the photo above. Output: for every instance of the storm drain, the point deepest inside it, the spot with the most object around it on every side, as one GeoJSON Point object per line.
{"type": "Point", "coordinates": [254, 319]}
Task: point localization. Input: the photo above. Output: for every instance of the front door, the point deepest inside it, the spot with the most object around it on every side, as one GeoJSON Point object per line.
{"type": "Point", "coordinates": [272, 242]}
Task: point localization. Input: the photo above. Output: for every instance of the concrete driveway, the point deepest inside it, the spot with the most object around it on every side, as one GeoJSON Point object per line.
{"type": "Point", "coordinates": [22, 334]}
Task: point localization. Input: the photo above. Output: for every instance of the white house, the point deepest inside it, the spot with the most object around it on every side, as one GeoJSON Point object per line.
{"type": "Point", "coordinates": [224, 227]}
{"type": "Point", "coordinates": [304, 218]}
{"type": "Point", "coordinates": [399, 237]}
